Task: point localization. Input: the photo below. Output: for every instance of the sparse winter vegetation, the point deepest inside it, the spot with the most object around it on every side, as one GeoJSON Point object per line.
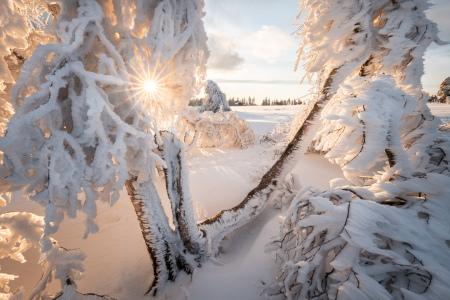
{"type": "Point", "coordinates": [126, 192]}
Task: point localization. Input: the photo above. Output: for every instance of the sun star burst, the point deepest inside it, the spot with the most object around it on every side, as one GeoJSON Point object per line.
{"type": "Point", "coordinates": [150, 86]}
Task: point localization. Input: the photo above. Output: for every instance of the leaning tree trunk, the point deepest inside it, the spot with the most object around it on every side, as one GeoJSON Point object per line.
{"type": "Point", "coordinates": [226, 221]}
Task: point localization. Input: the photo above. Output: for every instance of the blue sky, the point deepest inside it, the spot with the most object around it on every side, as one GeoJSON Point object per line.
{"type": "Point", "coordinates": [253, 51]}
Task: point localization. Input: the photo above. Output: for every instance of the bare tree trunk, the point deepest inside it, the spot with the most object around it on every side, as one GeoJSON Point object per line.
{"type": "Point", "coordinates": [177, 185]}
{"type": "Point", "coordinates": [162, 243]}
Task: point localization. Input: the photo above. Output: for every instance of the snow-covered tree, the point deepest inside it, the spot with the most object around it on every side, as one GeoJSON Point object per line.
{"type": "Point", "coordinates": [215, 99]}
{"type": "Point", "coordinates": [380, 37]}
{"type": "Point", "coordinates": [83, 127]}
{"type": "Point", "coordinates": [443, 94]}
{"type": "Point", "coordinates": [89, 104]}
{"type": "Point", "coordinates": [371, 239]}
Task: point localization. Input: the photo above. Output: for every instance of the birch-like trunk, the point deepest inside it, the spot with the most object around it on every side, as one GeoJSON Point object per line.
{"type": "Point", "coordinates": [163, 244]}
{"type": "Point", "coordinates": [177, 184]}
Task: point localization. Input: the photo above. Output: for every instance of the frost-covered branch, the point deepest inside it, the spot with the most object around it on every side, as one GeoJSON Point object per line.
{"type": "Point", "coordinates": [360, 122]}
{"type": "Point", "coordinates": [21, 231]}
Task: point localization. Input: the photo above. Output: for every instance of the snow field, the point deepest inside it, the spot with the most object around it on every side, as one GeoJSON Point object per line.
{"type": "Point", "coordinates": [117, 262]}
{"type": "Point", "coordinates": [442, 111]}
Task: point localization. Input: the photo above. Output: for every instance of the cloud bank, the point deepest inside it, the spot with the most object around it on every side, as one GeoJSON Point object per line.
{"type": "Point", "coordinates": [224, 55]}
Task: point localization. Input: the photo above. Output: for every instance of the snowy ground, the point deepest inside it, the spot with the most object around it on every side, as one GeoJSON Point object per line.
{"type": "Point", "coordinates": [117, 262]}
{"type": "Point", "coordinates": [264, 118]}
{"type": "Point", "coordinates": [440, 110]}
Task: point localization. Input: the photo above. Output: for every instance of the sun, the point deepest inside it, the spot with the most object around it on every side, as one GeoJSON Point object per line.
{"type": "Point", "coordinates": [149, 83]}
{"type": "Point", "coordinates": [150, 86]}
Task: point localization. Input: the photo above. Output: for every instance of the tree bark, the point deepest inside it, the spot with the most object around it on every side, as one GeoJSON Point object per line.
{"type": "Point", "coordinates": [177, 184]}
{"type": "Point", "coordinates": [162, 243]}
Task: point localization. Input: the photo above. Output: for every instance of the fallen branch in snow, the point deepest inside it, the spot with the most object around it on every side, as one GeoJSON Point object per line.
{"type": "Point", "coordinates": [82, 296]}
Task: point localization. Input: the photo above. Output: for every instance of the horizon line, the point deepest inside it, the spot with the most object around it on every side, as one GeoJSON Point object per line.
{"type": "Point", "coordinates": [260, 81]}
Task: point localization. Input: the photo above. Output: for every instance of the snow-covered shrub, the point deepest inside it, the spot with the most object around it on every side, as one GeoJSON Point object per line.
{"type": "Point", "coordinates": [214, 124]}
{"type": "Point", "coordinates": [210, 129]}
{"type": "Point", "coordinates": [384, 242]}
{"type": "Point", "coordinates": [216, 99]}
{"type": "Point", "coordinates": [443, 94]}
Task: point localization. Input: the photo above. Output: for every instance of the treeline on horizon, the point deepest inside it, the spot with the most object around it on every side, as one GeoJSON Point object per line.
{"type": "Point", "coordinates": [249, 102]}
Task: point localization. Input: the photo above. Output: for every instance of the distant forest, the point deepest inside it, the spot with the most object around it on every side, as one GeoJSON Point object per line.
{"type": "Point", "coordinates": [250, 102]}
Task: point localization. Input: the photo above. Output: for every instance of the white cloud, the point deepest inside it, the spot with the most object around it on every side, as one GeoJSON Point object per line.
{"type": "Point", "coordinates": [271, 44]}
{"type": "Point", "coordinates": [224, 55]}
